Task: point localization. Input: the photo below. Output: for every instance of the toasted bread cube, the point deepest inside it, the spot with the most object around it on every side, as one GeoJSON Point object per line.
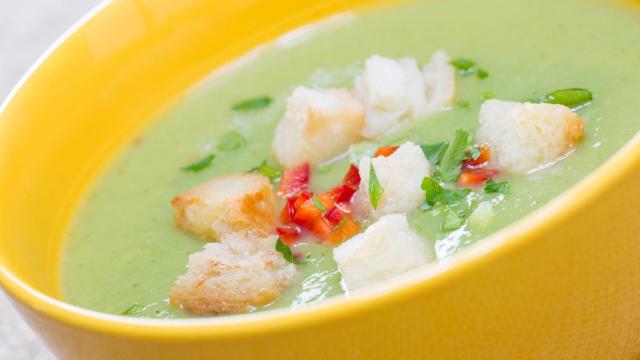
{"type": "Point", "coordinates": [317, 126]}
{"type": "Point", "coordinates": [234, 276]}
{"type": "Point", "coordinates": [392, 92]}
{"type": "Point", "coordinates": [400, 175]}
{"type": "Point", "coordinates": [226, 204]}
{"type": "Point", "coordinates": [524, 137]}
{"type": "Point", "coordinates": [440, 82]}
{"type": "Point", "coordinates": [389, 247]}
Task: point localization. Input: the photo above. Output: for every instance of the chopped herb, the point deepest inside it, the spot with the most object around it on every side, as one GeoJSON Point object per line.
{"type": "Point", "coordinates": [452, 222]}
{"type": "Point", "coordinates": [451, 196]}
{"type": "Point", "coordinates": [283, 249]}
{"type": "Point", "coordinates": [375, 189]}
{"type": "Point", "coordinates": [269, 171]}
{"type": "Point", "coordinates": [482, 73]}
{"type": "Point", "coordinates": [200, 164]}
{"type": "Point", "coordinates": [318, 204]}
{"type": "Point", "coordinates": [134, 309]}
{"type": "Point", "coordinates": [433, 191]}
{"type": "Point", "coordinates": [465, 66]}
{"type": "Point", "coordinates": [494, 187]}
{"type": "Point", "coordinates": [252, 104]}
{"type": "Point", "coordinates": [573, 98]}
{"type": "Point", "coordinates": [463, 104]}
{"type": "Point", "coordinates": [453, 156]}
{"type": "Point", "coordinates": [487, 95]}
{"type": "Point", "coordinates": [474, 152]}
{"type": "Point", "coordinates": [231, 141]}
{"type": "Point", "coordinates": [434, 152]}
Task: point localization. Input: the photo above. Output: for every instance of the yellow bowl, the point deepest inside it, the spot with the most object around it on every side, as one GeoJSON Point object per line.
{"type": "Point", "coordinates": [563, 283]}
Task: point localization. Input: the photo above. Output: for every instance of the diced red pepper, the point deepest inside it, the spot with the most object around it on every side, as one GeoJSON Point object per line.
{"type": "Point", "coordinates": [475, 177]}
{"type": "Point", "coordinates": [482, 160]}
{"type": "Point", "coordinates": [352, 177]}
{"type": "Point", "coordinates": [346, 229]}
{"type": "Point", "coordinates": [334, 215]}
{"type": "Point", "coordinates": [342, 193]}
{"type": "Point", "coordinates": [385, 151]}
{"type": "Point", "coordinates": [288, 233]}
{"type": "Point", "coordinates": [295, 180]}
{"type": "Point", "coordinates": [307, 214]}
{"type": "Point", "coordinates": [292, 205]}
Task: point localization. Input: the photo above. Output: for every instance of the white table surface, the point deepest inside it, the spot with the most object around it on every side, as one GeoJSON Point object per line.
{"type": "Point", "coordinates": [27, 28]}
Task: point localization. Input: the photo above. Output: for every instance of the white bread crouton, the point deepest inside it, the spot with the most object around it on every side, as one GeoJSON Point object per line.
{"type": "Point", "coordinates": [392, 91]}
{"type": "Point", "coordinates": [387, 248]}
{"type": "Point", "coordinates": [400, 175]}
{"type": "Point", "coordinates": [317, 126]}
{"type": "Point", "coordinates": [440, 81]}
{"type": "Point", "coordinates": [234, 276]}
{"type": "Point", "coordinates": [524, 137]}
{"type": "Point", "coordinates": [229, 203]}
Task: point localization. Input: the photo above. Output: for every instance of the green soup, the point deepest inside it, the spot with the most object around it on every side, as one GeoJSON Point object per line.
{"type": "Point", "coordinates": [124, 249]}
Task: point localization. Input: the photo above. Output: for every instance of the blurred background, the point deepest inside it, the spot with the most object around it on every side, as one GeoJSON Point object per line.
{"type": "Point", "coordinates": [27, 29]}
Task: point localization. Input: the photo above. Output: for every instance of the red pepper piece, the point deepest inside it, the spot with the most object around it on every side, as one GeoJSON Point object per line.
{"type": "Point", "coordinates": [482, 160]}
{"type": "Point", "coordinates": [288, 233]}
{"type": "Point", "coordinates": [475, 177]}
{"type": "Point", "coordinates": [385, 151]}
{"type": "Point", "coordinates": [295, 180]}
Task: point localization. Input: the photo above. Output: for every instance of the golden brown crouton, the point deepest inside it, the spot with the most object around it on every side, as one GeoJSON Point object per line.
{"type": "Point", "coordinates": [229, 203]}
{"type": "Point", "coordinates": [318, 125]}
{"type": "Point", "coordinates": [234, 276]}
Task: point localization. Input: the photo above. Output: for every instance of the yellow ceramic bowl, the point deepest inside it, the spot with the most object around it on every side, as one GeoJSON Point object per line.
{"type": "Point", "coordinates": [563, 283]}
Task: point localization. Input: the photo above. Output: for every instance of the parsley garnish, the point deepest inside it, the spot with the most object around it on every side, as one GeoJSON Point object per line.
{"type": "Point", "coordinates": [434, 152]}
{"type": "Point", "coordinates": [375, 189]}
{"type": "Point", "coordinates": [231, 141]}
{"type": "Point", "coordinates": [252, 104]}
{"type": "Point", "coordinates": [465, 66]}
{"type": "Point", "coordinates": [482, 73]}
{"type": "Point", "coordinates": [453, 156]}
{"type": "Point", "coordinates": [318, 204]}
{"type": "Point", "coordinates": [269, 171]}
{"type": "Point", "coordinates": [573, 98]}
{"type": "Point", "coordinates": [283, 249]}
{"type": "Point", "coordinates": [134, 309]}
{"type": "Point", "coordinates": [200, 164]}
{"type": "Point", "coordinates": [494, 187]}
{"type": "Point", "coordinates": [435, 193]}
{"type": "Point", "coordinates": [463, 104]}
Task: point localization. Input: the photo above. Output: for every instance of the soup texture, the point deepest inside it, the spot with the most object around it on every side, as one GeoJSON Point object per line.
{"type": "Point", "coordinates": [124, 252]}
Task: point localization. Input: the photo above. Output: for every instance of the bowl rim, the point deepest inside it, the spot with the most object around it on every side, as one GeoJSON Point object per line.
{"type": "Point", "coordinates": [499, 244]}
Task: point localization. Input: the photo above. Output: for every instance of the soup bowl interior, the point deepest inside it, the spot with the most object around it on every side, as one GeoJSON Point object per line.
{"type": "Point", "coordinates": [568, 273]}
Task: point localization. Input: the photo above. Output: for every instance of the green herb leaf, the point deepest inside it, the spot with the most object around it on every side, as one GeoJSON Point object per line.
{"type": "Point", "coordinates": [432, 190]}
{"type": "Point", "coordinates": [465, 66]}
{"type": "Point", "coordinates": [200, 164]}
{"type": "Point", "coordinates": [318, 204]}
{"type": "Point", "coordinates": [134, 309]}
{"type": "Point", "coordinates": [283, 249]}
{"type": "Point", "coordinates": [494, 187]}
{"type": "Point", "coordinates": [452, 222]}
{"type": "Point", "coordinates": [252, 104]}
{"type": "Point", "coordinates": [269, 171]}
{"type": "Point", "coordinates": [463, 104]}
{"type": "Point", "coordinates": [453, 156]}
{"type": "Point", "coordinates": [375, 188]}
{"type": "Point", "coordinates": [451, 196]}
{"type": "Point", "coordinates": [482, 73]}
{"type": "Point", "coordinates": [474, 152]}
{"type": "Point", "coordinates": [487, 95]}
{"type": "Point", "coordinates": [231, 141]}
{"type": "Point", "coordinates": [569, 97]}
{"type": "Point", "coordinates": [434, 152]}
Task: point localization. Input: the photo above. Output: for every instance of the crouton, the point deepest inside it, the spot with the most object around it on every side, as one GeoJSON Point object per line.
{"type": "Point", "coordinates": [525, 137]}
{"type": "Point", "coordinates": [400, 175]}
{"type": "Point", "coordinates": [234, 276]}
{"type": "Point", "coordinates": [387, 248]}
{"type": "Point", "coordinates": [440, 82]}
{"type": "Point", "coordinates": [317, 126]}
{"type": "Point", "coordinates": [229, 203]}
{"type": "Point", "coordinates": [392, 92]}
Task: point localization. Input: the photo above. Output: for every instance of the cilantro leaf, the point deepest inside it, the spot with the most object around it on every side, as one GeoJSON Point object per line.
{"type": "Point", "coordinates": [133, 309]}
{"type": "Point", "coordinates": [494, 187]}
{"type": "Point", "coordinates": [465, 66]}
{"type": "Point", "coordinates": [283, 249]}
{"type": "Point", "coordinates": [482, 73]}
{"type": "Point", "coordinates": [451, 196]}
{"type": "Point", "coordinates": [572, 98]}
{"type": "Point", "coordinates": [375, 188]}
{"type": "Point", "coordinates": [252, 104]}
{"type": "Point", "coordinates": [453, 156]}
{"type": "Point", "coordinates": [200, 164]}
{"type": "Point", "coordinates": [269, 171]}
{"type": "Point", "coordinates": [434, 152]}
{"type": "Point", "coordinates": [433, 191]}
{"type": "Point", "coordinates": [231, 141]}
